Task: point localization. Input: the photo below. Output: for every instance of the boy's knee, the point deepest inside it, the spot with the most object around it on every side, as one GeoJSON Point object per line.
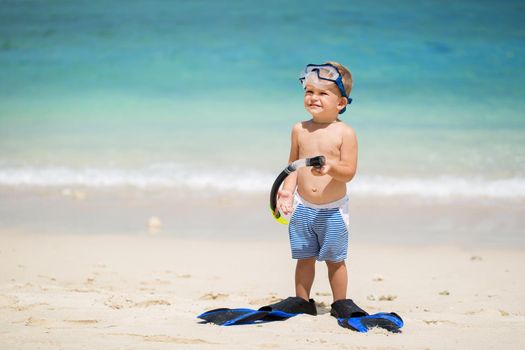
{"type": "Point", "coordinates": [306, 262]}
{"type": "Point", "coordinates": [335, 264]}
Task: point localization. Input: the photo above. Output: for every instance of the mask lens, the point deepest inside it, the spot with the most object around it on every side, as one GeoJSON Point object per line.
{"type": "Point", "coordinates": [327, 73]}
{"type": "Point", "coordinates": [313, 79]}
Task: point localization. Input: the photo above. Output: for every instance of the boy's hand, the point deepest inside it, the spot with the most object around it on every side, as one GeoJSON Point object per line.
{"type": "Point", "coordinates": [284, 202]}
{"type": "Point", "coordinates": [322, 170]}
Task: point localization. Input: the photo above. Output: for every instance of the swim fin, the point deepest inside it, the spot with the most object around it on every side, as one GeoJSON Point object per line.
{"type": "Point", "coordinates": [351, 316]}
{"type": "Point", "coordinates": [279, 311]}
{"type": "Point", "coordinates": [228, 317]}
{"type": "Point", "coordinates": [392, 322]}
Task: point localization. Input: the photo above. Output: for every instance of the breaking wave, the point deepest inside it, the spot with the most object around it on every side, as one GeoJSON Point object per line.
{"type": "Point", "coordinates": [181, 176]}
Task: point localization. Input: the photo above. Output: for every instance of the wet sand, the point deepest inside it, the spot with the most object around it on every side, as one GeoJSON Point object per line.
{"type": "Point", "coordinates": [401, 220]}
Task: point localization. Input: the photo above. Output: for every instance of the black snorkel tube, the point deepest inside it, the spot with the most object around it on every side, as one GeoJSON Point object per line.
{"type": "Point", "coordinates": [316, 162]}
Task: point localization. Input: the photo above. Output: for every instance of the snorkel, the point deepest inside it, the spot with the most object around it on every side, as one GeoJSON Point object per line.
{"type": "Point", "coordinates": [316, 162]}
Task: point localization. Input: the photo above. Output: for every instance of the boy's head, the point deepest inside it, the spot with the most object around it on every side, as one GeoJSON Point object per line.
{"type": "Point", "coordinates": [327, 87]}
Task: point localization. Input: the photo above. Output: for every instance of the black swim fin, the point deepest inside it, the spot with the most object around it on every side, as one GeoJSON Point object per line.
{"type": "Point", "coordinates": [228, 317]}
{"type": "Point", "coordinates": [279, 311]}
{"type": "Point", "coordinates": [351, 316]}
{"type": "Point", "coordinates": [289, 307]}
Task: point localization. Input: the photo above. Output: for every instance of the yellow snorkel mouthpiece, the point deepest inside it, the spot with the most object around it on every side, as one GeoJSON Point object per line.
{"type": "Point", "coordinates": [279, 218]}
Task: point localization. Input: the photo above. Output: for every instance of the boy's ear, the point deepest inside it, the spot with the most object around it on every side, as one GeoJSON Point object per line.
{"type": "Point", "coordinates": [343, 101]}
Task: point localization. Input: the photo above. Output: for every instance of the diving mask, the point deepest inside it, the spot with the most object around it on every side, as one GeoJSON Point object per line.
{"type": "Point", "coordinates": [322, 75]}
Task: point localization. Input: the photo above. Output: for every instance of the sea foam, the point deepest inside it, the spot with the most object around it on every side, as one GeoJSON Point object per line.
{"type": "Point", "coordinates": [184, 177]}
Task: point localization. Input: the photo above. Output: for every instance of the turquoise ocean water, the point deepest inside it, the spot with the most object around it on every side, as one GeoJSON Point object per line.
{"type": "Point", "coordinates": [201, 95]}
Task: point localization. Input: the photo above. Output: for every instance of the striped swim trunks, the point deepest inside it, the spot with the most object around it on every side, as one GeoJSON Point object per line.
{"type": "Point", "coordinates": [319, 231]}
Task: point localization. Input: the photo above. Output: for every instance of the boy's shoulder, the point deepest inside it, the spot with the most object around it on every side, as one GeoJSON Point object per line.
{"type": "Point", "coordinates": [305, 124]}
{"type": "Point", "coordinates": [299, 126]}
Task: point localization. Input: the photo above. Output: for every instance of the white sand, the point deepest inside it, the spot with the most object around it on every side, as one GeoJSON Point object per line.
{"type": "Point", "coordinates": [122, 292]}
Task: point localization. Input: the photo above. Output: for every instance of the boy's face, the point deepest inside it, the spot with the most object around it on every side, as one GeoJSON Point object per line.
{"type": "Point", "coordinates": [323, 102]}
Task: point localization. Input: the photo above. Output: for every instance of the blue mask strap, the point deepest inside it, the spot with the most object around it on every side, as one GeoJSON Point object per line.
{"type": "Point", "coordinates": [339, 84]}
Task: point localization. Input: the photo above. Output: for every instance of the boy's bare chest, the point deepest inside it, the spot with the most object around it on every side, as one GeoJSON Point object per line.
{"type": "Point", "coordinates": [319, 142]}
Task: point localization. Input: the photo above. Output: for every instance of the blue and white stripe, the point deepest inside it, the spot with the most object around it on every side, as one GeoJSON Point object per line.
{"type": "Point", "coordinates": [319, 231]}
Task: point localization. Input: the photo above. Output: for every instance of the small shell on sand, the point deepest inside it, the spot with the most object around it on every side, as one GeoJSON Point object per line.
{"type": "Point", "coordinates": [80, 195]}
{"type": "Point", "coordinates": [445, 292]}
{"type": "Point", "coordinates": [154, 225]}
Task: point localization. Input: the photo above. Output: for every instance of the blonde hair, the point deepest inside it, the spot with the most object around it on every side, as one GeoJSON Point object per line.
{"type": "Point", "coordinates": [345, 75]}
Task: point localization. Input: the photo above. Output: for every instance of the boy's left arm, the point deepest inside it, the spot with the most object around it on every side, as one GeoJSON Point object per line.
{"type": "Point", "coordinates": [344, 169]}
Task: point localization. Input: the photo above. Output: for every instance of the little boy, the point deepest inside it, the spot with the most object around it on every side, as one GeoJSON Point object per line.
{"type": "Point", "coordinates": [319, 225]}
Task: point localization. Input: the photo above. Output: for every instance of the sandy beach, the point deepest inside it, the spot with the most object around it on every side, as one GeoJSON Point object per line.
{"type": "Point", "coordinates": [143, 292]}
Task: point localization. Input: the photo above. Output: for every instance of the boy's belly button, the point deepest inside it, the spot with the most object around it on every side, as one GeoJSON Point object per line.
{"type": "Point", "coordinates": [314, 189]}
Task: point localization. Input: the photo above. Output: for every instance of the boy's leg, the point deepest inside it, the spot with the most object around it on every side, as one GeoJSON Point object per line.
{"type": "Point", "coordinates": [304, 277]}
{"type": "Point", "coordinates": [338, 277]}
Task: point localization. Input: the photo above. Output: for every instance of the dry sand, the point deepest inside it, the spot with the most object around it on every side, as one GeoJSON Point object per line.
{"type": "Point", "coordinates": [143, 292]}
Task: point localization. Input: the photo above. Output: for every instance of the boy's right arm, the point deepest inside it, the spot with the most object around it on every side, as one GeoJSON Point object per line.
{"type": "Point", "coordinates": [285, 195]}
